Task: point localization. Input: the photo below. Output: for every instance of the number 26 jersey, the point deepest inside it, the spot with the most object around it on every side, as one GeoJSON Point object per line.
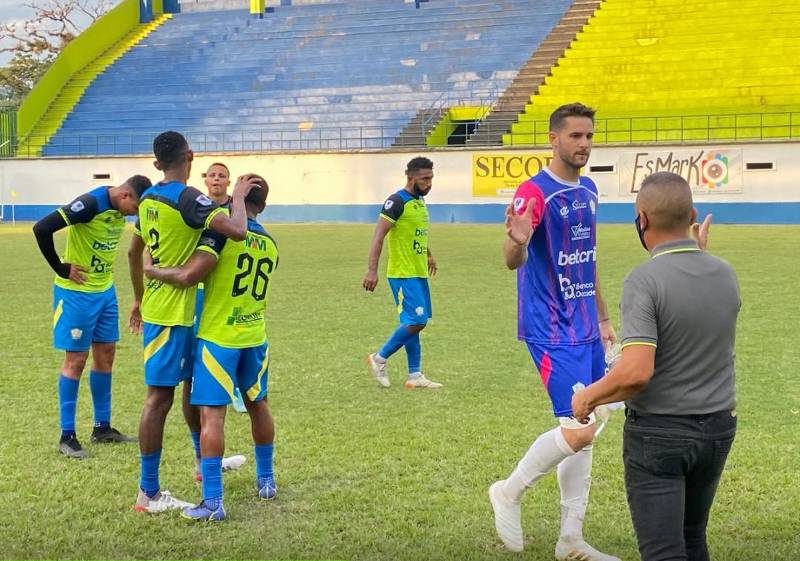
{"type": "Point", "coordinates": [237, 289]}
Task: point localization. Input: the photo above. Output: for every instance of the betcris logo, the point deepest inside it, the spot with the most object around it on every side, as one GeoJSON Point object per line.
{"type": "Point", "coordinates": [104, 246]}
{"type": "Point", "coordinates": [577, 257]}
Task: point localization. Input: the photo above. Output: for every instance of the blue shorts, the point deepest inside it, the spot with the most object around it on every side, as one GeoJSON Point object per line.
{"type": "Point", "coordinates": [567, 368]}
{"type": "Point", "coordinates": [83, 318]}
{"type": "Point", "coordinates": [413, 299]}
{"type": "Point", "coordinates": [167, 354]}
{"type": "Point", "coordinates": [218, 370]}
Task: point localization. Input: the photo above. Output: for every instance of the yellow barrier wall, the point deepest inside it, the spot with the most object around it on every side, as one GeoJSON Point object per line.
{"type": "Point", "coordinates": [82, 50]}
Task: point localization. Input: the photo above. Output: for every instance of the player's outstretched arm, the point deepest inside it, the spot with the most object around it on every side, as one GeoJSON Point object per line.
{"type": "Point", "coordinates": [235, 225]}
{"type": "Point", "coordinates": [371, 276]}
{"type": "Point", "coordinates": [519, 230]}
{"type": "Point", "coordinates": [189, 274]}
{"type": "Point", "coordinates": [44, 230]}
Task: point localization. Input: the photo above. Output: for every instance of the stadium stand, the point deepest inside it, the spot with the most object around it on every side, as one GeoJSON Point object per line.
{"type": "Point", "coordinates": [673, 71]}
{"type": "Point", "coordinates": [70, 94]}
{"type": "Point", "coordinates": [328, 76]}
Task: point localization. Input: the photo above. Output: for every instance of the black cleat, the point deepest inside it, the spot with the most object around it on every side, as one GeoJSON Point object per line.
{"type": "Point", "coordinates": [71, 448]}
{"type": "Point", "coordinates": [109, 434]}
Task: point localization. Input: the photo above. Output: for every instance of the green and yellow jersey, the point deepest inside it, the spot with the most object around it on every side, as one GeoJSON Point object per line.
{"type": "Point", "coordinates": [92, 239]}
{"type": "Point", "coordinates": [237, 289]}
{"type": "Point", "coordinates": [408, 239]}
{"type": "Point", "coordinates": [171, 218]}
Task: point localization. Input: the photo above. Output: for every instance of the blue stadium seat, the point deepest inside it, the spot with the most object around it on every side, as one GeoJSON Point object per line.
{"type": "Point", "coordinates": [329, 76]}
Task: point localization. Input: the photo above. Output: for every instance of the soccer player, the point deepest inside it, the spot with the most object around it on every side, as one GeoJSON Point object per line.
{"type": "Point", "coordinates": [217, 180]}
{"type": "Point", "coordinates": [171, 218]}
{"type": "Point", "coordinates": [551, 237]}
{"type": "Point", "coordinates": [232, 348]}
{"type": "Point", "coordinates": [86, 314]}
{"type": "Point", "coordinates": [404, 218]}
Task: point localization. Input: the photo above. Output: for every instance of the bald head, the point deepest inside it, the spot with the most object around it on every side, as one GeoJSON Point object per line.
{"type": "Point", "coordinates": [666, 199]}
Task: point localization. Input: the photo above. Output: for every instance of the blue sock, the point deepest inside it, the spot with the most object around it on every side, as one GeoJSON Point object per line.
{"type": "Point", "coordinates": [264, 461]}
{"type": "Point", "coordinates": [196, 441]}
{"type": "Point", "coordinates": [211, 468]}
{"type": "Point", "coordinates": [414, 354]}
{"type": "Point", "coordinates": [397, 340]}
{"type": "Point", "coordinates": [148, 480]}
{"type": "Point", "coordinates": [67, 401]}
{"type": "Point", "coordinates": [100, 384]}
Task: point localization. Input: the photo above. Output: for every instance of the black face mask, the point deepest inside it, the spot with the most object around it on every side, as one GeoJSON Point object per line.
{"type": "Point", "coordinates": [640, 232]}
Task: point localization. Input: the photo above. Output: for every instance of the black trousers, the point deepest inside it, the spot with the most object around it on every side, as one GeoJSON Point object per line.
{"type": "Point", "coordinates": [673, 464]}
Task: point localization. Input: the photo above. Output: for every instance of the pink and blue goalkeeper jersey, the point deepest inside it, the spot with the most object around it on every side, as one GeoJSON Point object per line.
{"type": "Point", "coordinates": [556, 286]}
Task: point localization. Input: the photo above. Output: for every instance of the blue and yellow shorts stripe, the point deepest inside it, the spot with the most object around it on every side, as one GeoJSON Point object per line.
{"type": "Point", "coordinates": [413, 299]}
{"type": "Point", "coordinates": [82, 318]}
{"type": "Point", "coordinates": [218, 370]}
{"type": "Point", "coordinates": [167, 354]}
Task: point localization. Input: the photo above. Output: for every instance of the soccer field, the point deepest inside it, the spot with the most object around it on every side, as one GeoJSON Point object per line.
{"type": "Point", "coordinates": [369, 473]}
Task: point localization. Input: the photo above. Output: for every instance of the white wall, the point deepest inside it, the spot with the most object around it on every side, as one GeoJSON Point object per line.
{"type": "Point", "coordinates": [366, 178]}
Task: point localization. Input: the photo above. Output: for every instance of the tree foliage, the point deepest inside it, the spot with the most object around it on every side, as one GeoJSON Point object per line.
{"type": "Point", "coordinates": [36, 41]}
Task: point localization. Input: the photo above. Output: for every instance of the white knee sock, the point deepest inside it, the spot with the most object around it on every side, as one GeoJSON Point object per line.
{"type": "Point", "coordinates": [545, 453]}
{"type": "Point", "coordinates": [575, 478]}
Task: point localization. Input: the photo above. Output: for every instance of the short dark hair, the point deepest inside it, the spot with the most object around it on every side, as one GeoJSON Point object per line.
{"type": "Point", "coordinates": [220, 164]}
{"type": "Point", "coordinates": [417, 164]}
{"type": "Point", "coordinates": [560, 115]}
{"type": "Point", "coordinates": [666, 197]}
{"type": "Point", "coordinates": [138, 184]}
{"type": "Point", "coordinates": [169, 148]}
{"type": "Point", "coordinates": [258, 197]}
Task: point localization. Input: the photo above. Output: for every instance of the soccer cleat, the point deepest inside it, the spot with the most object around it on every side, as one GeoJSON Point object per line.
{"type": "Point", "coordinates": [205, 513]}
{"type": "Point", "coordinates": [71, 448]}
{"type": "Point", "coordinates": [421, 382]}
{"type": "Point", "coordinates": [109, 434]}
{"type": "Point", "coordinates": [378, 370]}
{"type": "Point", "coordinates": [507, 518]}
{"type": "Point", "coordinates": [161, 502]}
{"type": "Point", "coordinates": [267, 489]}
{"type": "Point", "coordinates": [238, 402]}
{"type": "Point", "coordinates": [579, 550]}
{"type": "Point", "coordinates": [231, 463]}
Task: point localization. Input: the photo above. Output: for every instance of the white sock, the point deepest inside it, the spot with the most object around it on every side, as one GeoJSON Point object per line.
{"type": "Point", "coordinates": [413, 375]}
{"type": "Point", "coordinates": [545, 453]}
{"type": "Point", "coordinates": [378, 358]}
{"type": "Point", "coordinates": [575, 478]}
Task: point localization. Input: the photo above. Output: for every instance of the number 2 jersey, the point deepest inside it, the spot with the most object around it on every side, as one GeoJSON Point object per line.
{"type": "Point", "coordinates": [171, 218]}
{"type": "Point", "coordinates": [237, 288]}
{"type": "Point", "coordinates": [95, 228]}
{"type": "Point", "coordinates": [556, 285]}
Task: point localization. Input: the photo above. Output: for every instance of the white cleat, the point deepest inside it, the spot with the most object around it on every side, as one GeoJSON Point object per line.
{"type": "Point", "coordinates": [580, 551]}
{"type": "Point", "coordinates": [421, 382]}
{"type": "Point", "coordinates": [232, 463]}
{"type": "Point", "coordinates": [507, 518]}
{"type": "Point", "coordinates": [162, 502]}
{"type": "Point", "coordinates": [378, 370]}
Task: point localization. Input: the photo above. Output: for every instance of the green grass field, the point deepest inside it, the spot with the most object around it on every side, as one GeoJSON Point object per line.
{"type": "Point", "coordinates": [366, 473]}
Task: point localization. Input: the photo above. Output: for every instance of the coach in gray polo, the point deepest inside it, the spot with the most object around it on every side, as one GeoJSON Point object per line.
{"type": "Point", "coordinates": [676, 376]}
